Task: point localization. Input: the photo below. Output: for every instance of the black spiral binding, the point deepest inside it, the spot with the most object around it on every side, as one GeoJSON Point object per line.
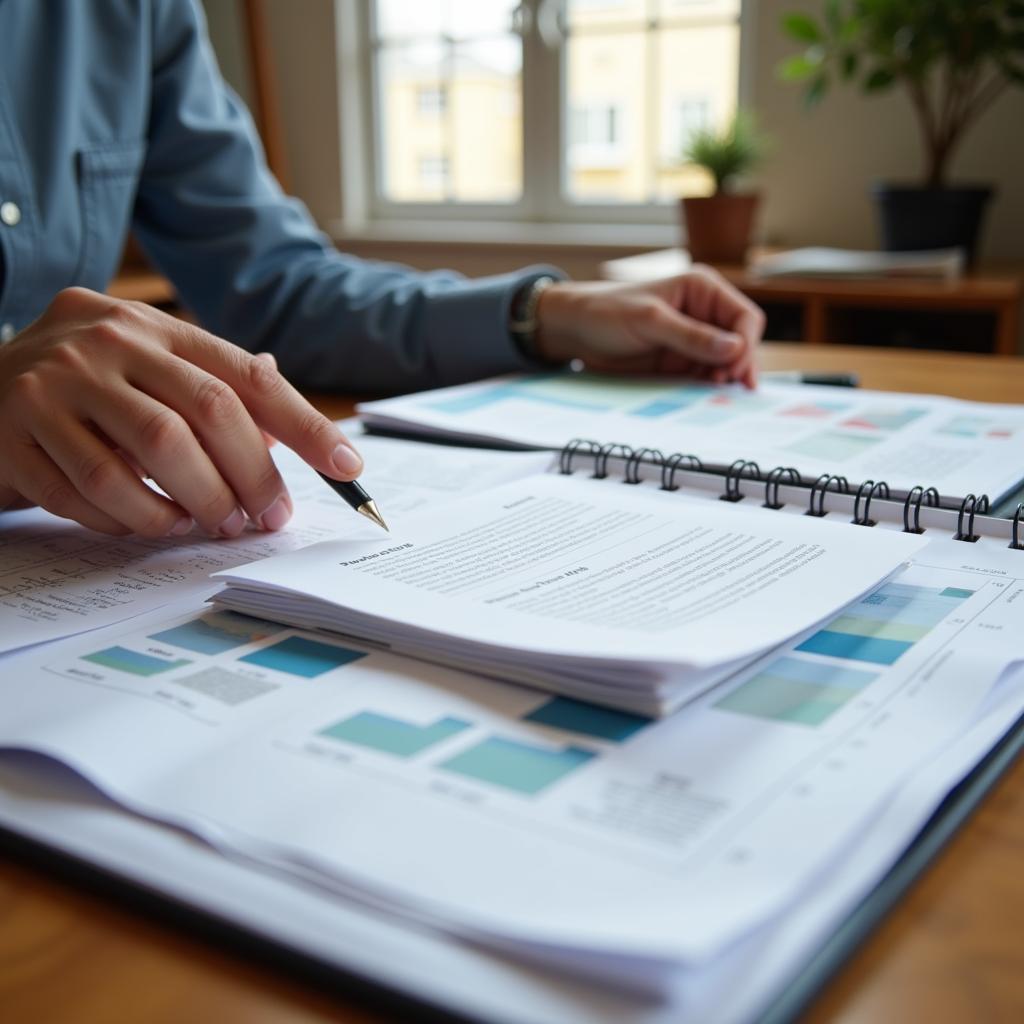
{"type": "Point", "coordinates": [868, 490]}
{"type": "Point", "coordinates": [772, 482]}
{"type": "Point", "coordinates": [918, 493]}
{"type": "Point", "coordinates": [735, 475]}
{"type": "Point", "coordinates": [674, 463]}
{"type": "Point", "coordinates": [820, 488]}
{"type": "Point", "coordinates": [1015, 538]}
{"type": "Point", "coordinates": [572, 449]}
{"type": "Point", "coordinates": [650, 456]}
{"type": "Point", "coordinates": [741, 469]}
{"type": "Point", "coordinates": [968, 507]}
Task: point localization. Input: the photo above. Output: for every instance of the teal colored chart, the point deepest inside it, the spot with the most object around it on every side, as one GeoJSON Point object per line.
{"type": "Point", "coordinates": [881, 627]}
{"type": "Point", "coordinates": [796, 690]}
{"type": "Point", "coordinates": [121, 659]}
{"type": "Point", "coordinates": [298, 656]}
{"type": "Point", "coordinates": [391, 735]}
{"type": "Point", "coordinates": [883, 418]}
{"type": "Point", "coordinates": [588, 719]}
{"type": "Point", "coordinates": [517, 766]}
{"type": "Point", "coordinates": [217, 632]}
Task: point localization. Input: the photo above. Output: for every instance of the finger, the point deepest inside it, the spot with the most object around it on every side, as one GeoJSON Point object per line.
{"type": "Point", "coordinates": [227, 432]}
{"type": "Point", "coordinates": [691, 337]}
{"type": "Point", "coordinates": [107, 482]}
{"type": "Point", "coordinates": [160, 441]}
{"type": "Point", "coordinates": [273, 403]}
{"type": "Point", "coordinates": [268, 357]}
{"type": "Point", "coordinates": [40, 481]}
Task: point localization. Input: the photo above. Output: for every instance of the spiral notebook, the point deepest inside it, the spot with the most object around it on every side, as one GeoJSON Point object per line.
{"type": "Point", "coordinates": [949, 447]}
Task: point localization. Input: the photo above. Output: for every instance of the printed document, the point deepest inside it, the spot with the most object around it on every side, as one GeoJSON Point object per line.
{"type": "Point", "coordinates": [544, 825]}
{"type": "Point", "coordinates": [58, 578]}
{"type": "Point", "coordinates": [627, 595]}
{"type": "Point", "coordinates": [908, 440]}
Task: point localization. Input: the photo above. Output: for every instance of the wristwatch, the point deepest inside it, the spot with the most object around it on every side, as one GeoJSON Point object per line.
{"type": "Point", "coordinates": [522, 317]}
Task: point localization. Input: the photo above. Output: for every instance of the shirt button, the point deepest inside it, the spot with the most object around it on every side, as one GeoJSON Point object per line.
{"type": "Point", "coordinates": [6, 332]}
{"type": "Point", "coordinates": [10, 213]}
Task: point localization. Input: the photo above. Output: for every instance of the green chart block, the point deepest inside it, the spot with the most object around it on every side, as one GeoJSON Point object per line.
{"type": "Point", "coordinates": [121, 659]}
{"type": "Point", "coordinates": [521, 767]}
{"type": "Point", "coordinates": [391, 735]}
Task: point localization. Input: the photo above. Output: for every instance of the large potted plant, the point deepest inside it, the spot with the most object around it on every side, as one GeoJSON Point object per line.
{"type": "Point", "coordinates": [719, 226]}
{"type": "Point", "coordinates": [953, 58]}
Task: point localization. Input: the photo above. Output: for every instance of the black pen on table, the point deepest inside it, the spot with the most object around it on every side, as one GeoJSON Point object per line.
{"type": "Point", "coordinates": [840, 380]}
{"type": "Point", "coordinates": [356, 498]}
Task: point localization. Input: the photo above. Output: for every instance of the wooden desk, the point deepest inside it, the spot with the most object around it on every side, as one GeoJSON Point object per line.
{"type": "Point", "coordinates": [819, 310]}
{"type": "Point", "coordinates": [952, 951]}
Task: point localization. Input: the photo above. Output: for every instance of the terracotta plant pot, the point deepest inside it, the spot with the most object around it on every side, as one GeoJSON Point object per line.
{"type": "Point", "coordinates": [719, 227]}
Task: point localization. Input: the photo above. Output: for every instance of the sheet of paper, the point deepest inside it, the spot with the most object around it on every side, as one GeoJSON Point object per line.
{"type": "Point", "coordinates": [57, 578]}
{"type": "Point", "coordinates": [591, 572]}
{"type": "Point", "coordinates": [521, 807]}
{"type": "Point", "coordinates": [959, 447]}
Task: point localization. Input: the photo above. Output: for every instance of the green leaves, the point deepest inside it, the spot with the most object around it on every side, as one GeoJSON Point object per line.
{"type": "Point", "coordinates": [802, 27]}
{"type": "Point", "coordinates": [729, 152]}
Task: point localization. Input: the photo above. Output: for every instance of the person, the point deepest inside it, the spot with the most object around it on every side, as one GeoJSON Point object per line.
{"type": "Point", "coordinates": [114, 117]}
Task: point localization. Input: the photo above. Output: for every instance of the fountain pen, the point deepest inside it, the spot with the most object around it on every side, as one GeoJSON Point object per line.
{"type": "Point", "coordinates": [356, 498]}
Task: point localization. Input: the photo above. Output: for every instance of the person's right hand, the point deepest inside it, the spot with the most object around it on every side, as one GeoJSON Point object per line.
{"type": "Point", "coordinates": [98, 389]}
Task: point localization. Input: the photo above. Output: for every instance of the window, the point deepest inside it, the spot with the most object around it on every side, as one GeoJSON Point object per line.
{"type": "Point", "coordinates": [545, 109]}
{"type": "Point", "coordinates": [431, 100]}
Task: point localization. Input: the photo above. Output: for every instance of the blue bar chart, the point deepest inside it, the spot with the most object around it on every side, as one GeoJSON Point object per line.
{"type": "Point", "coordinates": [391, 735]}
{"type": "Point", "coordinates": [299, 656]}
{"type": "Point", "coordinates": [514, 765]}
{"type": "Point", "coordinates": [121, 659]}
{"type": "Point", "coordinates": [588, 719]}
{"type": "Point", "coordinates": [797, 690]}
{"type": "Point", "coordinates": [883, 626]}
{"type": "Point", "coordinates": [217, 632]}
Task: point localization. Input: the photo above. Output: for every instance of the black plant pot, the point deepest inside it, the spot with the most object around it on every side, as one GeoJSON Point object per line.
{"type": "Point", "coordinates": [931, 218]}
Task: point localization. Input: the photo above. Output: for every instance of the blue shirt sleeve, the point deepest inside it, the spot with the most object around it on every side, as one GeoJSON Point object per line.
{"type": "Point", "coordinates": [251, 264]}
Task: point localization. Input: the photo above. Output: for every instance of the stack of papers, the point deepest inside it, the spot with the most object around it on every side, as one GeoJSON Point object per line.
{"type": "Point", "coordinates": [629, 596]}
{"type": "Point", "coordinates": [820, 261]}
{"type": "Point", "coordinates": [598, 842]}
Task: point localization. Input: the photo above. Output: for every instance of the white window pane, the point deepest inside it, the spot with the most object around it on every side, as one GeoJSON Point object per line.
{"type": "Point", "coordinates": [486, 121]}
{"type": "Point", "coordinates": [583, 14]}
{"type": "Point", "coordinates": [699, 74]}
{"type": "Point", "coordinates": [450, 121]}
{"type": "Point", "coordinates": [406, 18]}
{"type": "Point", "coordinates": [469, 18]}
{"type": "Point", "coordinates": [609, 135]}
{"type": "Point", "coordinates": [410, 135]}
{"type": "Point", "coordinates": [702, 9]}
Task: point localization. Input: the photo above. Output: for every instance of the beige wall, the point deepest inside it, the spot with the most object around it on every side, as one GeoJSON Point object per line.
{"type": "Point", "coordinates": [824, 161]}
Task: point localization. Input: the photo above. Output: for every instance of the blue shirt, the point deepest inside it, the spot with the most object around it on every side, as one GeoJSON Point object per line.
{"type": "Point", "coordinates": [114, 116]}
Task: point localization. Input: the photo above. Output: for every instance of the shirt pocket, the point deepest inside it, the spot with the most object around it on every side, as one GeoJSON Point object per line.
{"type": "Point", "coordinates": [108, 178]}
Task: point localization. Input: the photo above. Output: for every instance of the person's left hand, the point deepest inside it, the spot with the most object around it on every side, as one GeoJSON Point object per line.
{"type": "Point", "coordinates": [696, 324]}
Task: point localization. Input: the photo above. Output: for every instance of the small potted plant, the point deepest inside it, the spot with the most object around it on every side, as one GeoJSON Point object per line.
{"type": "Point", "coordinates": [719, 226]}
{"type": "Point", "coordinates": [953, 58]}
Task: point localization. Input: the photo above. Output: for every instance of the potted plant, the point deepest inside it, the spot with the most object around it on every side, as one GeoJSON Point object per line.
{"type": "Point", "coordinates": [953, 58]}
{"type": "Point", "coordinates": [719, 226]}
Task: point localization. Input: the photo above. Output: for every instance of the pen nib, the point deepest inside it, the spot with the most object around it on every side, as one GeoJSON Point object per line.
{"type": "Point", "coordinates": [369, 509]}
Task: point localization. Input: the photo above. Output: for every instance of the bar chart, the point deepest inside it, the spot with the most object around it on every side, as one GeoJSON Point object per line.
{"type": "Point", "coordinates": [392, 735]}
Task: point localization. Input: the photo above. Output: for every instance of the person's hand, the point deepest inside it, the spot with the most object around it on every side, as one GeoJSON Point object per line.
{"type": "Point", "coordinates": [696, 323]}
{"type": "Point", "coordinates": [97, 392]}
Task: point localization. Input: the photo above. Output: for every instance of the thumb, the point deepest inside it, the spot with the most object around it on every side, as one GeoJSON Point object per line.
{"type": "Point", "coordinates": [699, 341]}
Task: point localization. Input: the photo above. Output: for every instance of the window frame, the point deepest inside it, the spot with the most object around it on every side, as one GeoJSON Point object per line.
{"type": "Point", "coordinates": [544, 198]}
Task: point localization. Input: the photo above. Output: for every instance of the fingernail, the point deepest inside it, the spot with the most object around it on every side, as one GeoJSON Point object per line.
{"type": "Point", "coordinates": [727, 344]}
{"type": "Point", "coordinates": [233, 525]}
{"type": "Point", "coordinates": [277, 515]}
{"type": "Point", "coordinates": [182, 526]}
{"type": "Point", "coordinates": [346, 460]}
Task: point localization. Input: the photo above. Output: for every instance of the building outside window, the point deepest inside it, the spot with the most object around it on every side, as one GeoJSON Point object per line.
{"type": "Point", "coordinates": [546, 109]}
